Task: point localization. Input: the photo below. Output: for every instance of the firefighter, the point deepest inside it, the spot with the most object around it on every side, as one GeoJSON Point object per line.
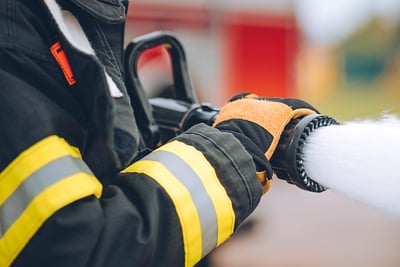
{"type": "Point", "coordinates": [75, 189]}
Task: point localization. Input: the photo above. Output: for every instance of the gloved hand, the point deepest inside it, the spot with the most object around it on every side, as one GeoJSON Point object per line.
{"type": "Point", "coordinates": [258, 123]}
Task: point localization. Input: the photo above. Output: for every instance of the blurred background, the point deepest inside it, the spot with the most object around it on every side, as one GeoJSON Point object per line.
{"type": "Point", "coordinates": [342, 56]}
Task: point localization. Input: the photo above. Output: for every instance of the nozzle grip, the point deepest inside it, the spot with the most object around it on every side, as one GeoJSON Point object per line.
{"type": "Point", "coordinates": [287, 160]}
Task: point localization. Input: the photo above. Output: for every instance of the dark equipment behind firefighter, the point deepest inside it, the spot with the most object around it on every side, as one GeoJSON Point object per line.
{"type": "Point", "coordinates": [77, 186]}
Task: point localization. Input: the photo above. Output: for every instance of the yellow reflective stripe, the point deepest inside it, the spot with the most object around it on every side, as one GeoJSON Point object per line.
{"type": "Point", "coordinates": [33, 159]}
{"type": "Point", "coordinates": [182, 200]}
{"type": "Point", "coordinates": [186, 198]}
{"type": "Point", "coordinates": [222, 203]}
{"type": "Point", "coordinates": [199, 196]}
{"type": "Point", "coordinates": [45, 178]}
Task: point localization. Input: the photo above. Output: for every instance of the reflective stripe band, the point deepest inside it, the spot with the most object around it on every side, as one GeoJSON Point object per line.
{"type": "Point", "coordinates": [43, 179]}
{"type": "Point", "coordinates": [186, 210]}
{"type": "Point", "coordinates": [202, 204]}
{"type": "Point", "coordinates": [222, 203]}
{"type": "Point", "coordinates": [34, 185]}
{"type": "Point", "coordinates": [201, 200]}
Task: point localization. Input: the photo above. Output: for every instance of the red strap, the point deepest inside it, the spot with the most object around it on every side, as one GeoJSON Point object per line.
{"type": "Point", "coordinates": [62, 60]}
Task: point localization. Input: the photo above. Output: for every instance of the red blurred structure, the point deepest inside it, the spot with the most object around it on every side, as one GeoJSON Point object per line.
{"type": "Point", "coordinates": [258, 50]}
{"type": "Point", "coordinates": [261, 53]}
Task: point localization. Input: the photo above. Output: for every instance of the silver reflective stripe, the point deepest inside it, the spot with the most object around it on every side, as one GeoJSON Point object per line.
{"type": "Point", "coordinates": [33, 185]}
{"type": "Point", "coordinates": [204, 205]}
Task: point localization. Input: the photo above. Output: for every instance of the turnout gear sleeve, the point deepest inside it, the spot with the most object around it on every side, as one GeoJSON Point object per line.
{"type": "Point", "coordinates": [258, 123]}
{"type": "Point", "coordinates": [170, 208]}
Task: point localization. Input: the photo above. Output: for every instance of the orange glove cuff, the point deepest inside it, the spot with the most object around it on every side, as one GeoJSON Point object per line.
{"type": "Point", "coordinates": [265, 182]}
{"type": "Point", "coordinates": [272, 116]}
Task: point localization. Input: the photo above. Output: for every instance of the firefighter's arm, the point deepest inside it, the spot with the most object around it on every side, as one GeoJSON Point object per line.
{"type": "Point", "coordinates": [205, 185]}
{"type": "Point", "coordinates": [168, 209]}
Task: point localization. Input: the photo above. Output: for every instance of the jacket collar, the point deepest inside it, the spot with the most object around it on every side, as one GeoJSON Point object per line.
{"type": "Point", "coordinates": [109, 11]}
{"type": "Point", "coordinates": [70, 27]}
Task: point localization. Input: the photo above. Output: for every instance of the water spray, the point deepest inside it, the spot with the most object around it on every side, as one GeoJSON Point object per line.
{"type": "Point", "coordinates": [359, 159]}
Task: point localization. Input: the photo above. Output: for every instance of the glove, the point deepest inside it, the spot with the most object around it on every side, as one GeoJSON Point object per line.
{"type": "Point", "coordinates": [258, 123]}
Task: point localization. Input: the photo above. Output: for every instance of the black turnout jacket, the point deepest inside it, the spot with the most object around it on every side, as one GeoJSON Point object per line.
{"type": "Point", "coordinates": [72, 191]}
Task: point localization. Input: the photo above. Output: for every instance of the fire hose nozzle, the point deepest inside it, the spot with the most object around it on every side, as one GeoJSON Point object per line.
{"type": "Point", "coordinates": [287, 160]}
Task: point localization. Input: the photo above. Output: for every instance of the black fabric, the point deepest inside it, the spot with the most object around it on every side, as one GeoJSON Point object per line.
{"type": "Point", "coordinates": [135, 224]}
{"type": "Point", "coordinates": [27, 115]}
{"type": "Point", "coordinates": [110, 116]}
{"type": "Point", "coordinates": [204, 263]}
{"type": "Point", "coordinates": [293, 103]}
{"type": "Point", "coordinates": [110, 11]}
{"type": "Point", "coordinates": [63, 235]}
{"type": "Point", "coordinates": [239, 96]}
{"type": "Point", "coordinates": [254, 138]}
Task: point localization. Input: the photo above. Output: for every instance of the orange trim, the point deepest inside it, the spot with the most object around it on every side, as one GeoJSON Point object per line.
{"type": "Point", "coordinates": [251, 96]}
{"type": "Point", "coordinates": [300, 112]}
{"type": "Point", "coordinates": [265, 182]}
{"type": "Point", "coordinates": [62, 60]}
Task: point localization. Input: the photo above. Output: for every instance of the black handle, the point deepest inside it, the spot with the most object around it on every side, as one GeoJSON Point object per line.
{"type": "Point", "coordinates": [184, 92]}
{"type": "Point", "coordinates": [181, 78]}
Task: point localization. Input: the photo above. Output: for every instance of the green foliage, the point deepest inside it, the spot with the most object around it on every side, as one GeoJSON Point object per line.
{"type": "Point", "coordinates": [360, 103]}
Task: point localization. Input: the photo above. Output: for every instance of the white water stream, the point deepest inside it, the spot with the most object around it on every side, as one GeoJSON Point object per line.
{"type": "Point", "coordinates": [360, 159]}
